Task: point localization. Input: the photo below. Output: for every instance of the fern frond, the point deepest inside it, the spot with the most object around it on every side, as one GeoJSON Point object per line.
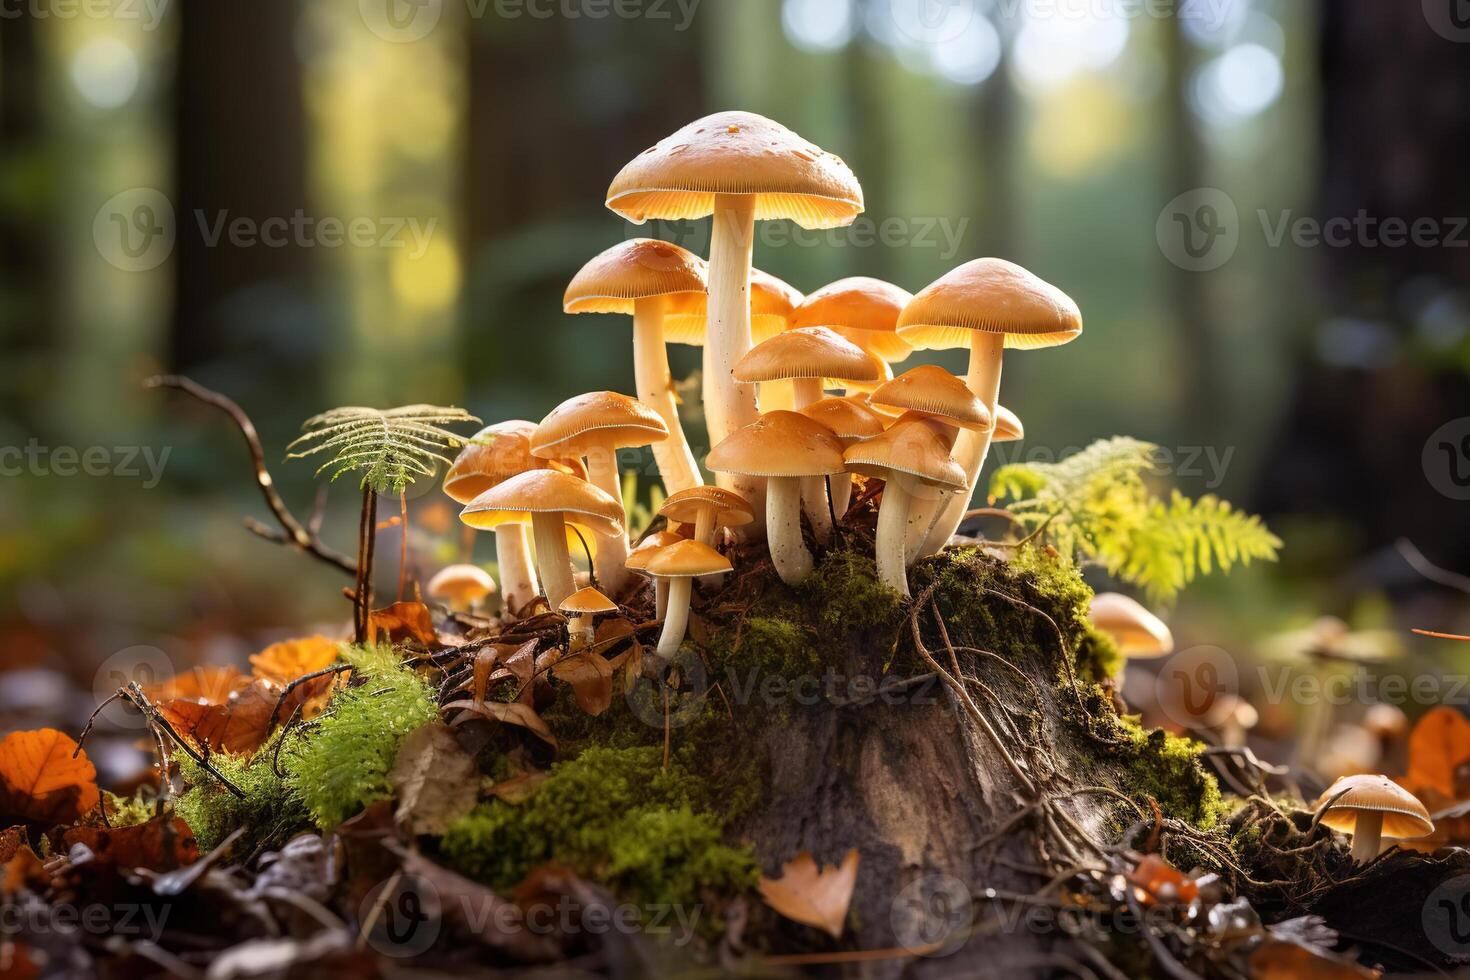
{"type": "Point", "coordinates": [391, 448]}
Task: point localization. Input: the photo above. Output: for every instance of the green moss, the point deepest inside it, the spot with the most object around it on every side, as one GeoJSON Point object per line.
{"type": "Point", "coordinates": [129, 811]}
{"type": "Point", "coordinates": [270, 812]}
{"type": "Point", "coordinates": [613, 815]}
{"type": "Point", "coordinates": [844, 596]}
{"type": "Point", "coordinates": [1167, 768]}
{"type": "Point", "coordinates": [340, 763]}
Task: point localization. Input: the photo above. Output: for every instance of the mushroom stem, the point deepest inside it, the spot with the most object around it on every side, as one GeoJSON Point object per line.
{"type": "Point", "coordinates": [1367, 835]}
{"type": "Point", "coordinates": [552, 560]}
{"type": "Point", "coordinates": [729, 405]}
{"type": "Point", "coordinates": [612, 553]}
{"type": "Point", "coordinates": [783, 529]}
{"type": "Point", "coordinates": [675, 461]}
{"type": "Point", "coordinates": [517, 573]}
{"type": "Point", "coordinates": [805, 391]}
{"type": "Point", "coordinates": [774, 396]}
{"type": "Point", "coordinates": [582, 632]}
{"type": "Point", "coordinates": [893, 517]}
{"type": "Point", "coordinates": [841, 486]}
{"type": "Point", "coordinates": [676, 617]}
{"type": "Point", "coordinates": [814, 505]}
{"type": "Point", "coordinates": [972, 447]}
{"type": "Point", "coordinates": [704, 526]}
{"type": "Point", "coordinates": [660, 598]}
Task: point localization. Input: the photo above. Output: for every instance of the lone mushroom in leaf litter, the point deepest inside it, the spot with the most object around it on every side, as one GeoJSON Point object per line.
{"type": "Point", "coordinates": [985, 305]}
{"type": "Point", "coordinates": [782, 448]}
{"type": "Point", "coordinates": [554, 500]}
{"type": "Point", "coordinates": [850, 420]}
{"type": "Point", "coordinates": [648, 278]}
{"type": "Point", "coordinates": [582, 609]}
{"type": "Point", "coordinates": [1372, 808]}
{"type": "Point", "coordinates": [595, 426]}
{"type": "Point", "coordinates": [681, 564]}
{"type": "Point", "coordinates": [738, 167]}
{"type": "Point", "coordinates": [461, 587]}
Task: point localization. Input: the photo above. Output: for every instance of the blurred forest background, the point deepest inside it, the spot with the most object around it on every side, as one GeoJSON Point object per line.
{"type": "Point", "coordinates": [1303, 381]}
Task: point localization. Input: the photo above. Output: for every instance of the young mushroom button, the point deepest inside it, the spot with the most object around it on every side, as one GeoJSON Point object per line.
{"type": "Point", "coordinates": [681, 564]}
{"type": "Point", "coordinates": [1371, 808]}
{"type": "Point", "coordinates": [582, 608]}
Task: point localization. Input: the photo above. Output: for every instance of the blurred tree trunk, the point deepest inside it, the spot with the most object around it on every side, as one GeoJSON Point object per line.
{"type": "Point", "coordinates": [994, 125]}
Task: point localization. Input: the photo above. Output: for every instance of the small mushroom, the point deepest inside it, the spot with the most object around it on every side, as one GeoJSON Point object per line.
{"type": "Point", "coordinates": [1140, 634]}
{"type": "Point", "coordinates": [986, 305]}
{"type": "Point", "coordinates": [911, 457]}
{"type": "Point", "coordinates": [708, 509]}
{"type": "Point", "coordinates": [681, 564]}
{"type": "Point", "coordinates": [1371, 808]}
{"type": "Point", "coordinates": [461, 587]}
{"type": "Point", "coordinates": [645, 279]}
{"type": "Point", "coordinates": [850, 419]}
{"type": "Point", "coordinates": [554, 500]}
{"type": "Point", "coordinates": [1008, 426]}
{"type": "Point", "coordinates": [595, 426]}
{"type": "Point", "coordinates": [583, 607]}
{"type": "Point", "coordinates": [782, 448]}
{"type": "Point", "coordinates": [638, 560]}
{"type": "Point", "coordinates": [1239, 717]}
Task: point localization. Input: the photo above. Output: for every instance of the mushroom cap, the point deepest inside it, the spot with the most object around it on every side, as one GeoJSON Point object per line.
{"type": "Point", "coordinates": [1140, 634]}
{"type": "Point", "coordinates": [730, 508]}
{"type": "Point", "coordinates": [882, 375]}
{"type": "Point", "coordinates": [547, 492]}
{"type": "Point", "coordinates": [779, 444]}
{"type": "Point", "coordinates": [639, 557]}
{"type": "Point", "coordinates": [1385, 721]}
{"type": "Point", "coordinates": [587, 602]}
{"type": "Point", "coordinates": [613, 280]}
{"type": "Point", "coordinates": [862, 309]}
{"type": "Point", "coordinates": [989, 296]}
{"type": "Point", "coordinates": [598, 420]}
{"type": "Point", "coordinates": [1404, 817]}
{"type": "Point", "coordinates": [911, 453]}
{"type": "Point", "coordinates": [461, 583]}
{"type": "Point", "coordinates": [496, 453]}
{"type": "Point", "coordinates": [812, 352]}
{"type": "Point", "coordinates": [771, 303]}
{"type": "Point", "coordinates": [737, 153]}
{"type": "Point", "coordinates": [849, 417]}
{"type": "Point", "coordinates": [934, 391]}
{"type": "Point", "coordinates": [1008, 427]}
{"type": "Point", "coordinates": [687, 559]}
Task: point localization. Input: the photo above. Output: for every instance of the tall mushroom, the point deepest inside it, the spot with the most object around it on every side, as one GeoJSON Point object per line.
{"type": "Point", "coordinates": [1371, 808]}
{"type": "Point", "coordinates": [680, 564]}
{"type": "Point", "coordinates": [554, 500]}
{"type": "Point", "coordinates": [803, 358]}
{"type": "Point", "coordinates": [647, 278]}
{"type": "Point", "coordinates": [708, 509]}
{"type": "Point", "coordinates": [850, 419]}
{"type": "Point", "coordinates": [909, 456]}
{"type": "Point", "coordinates": [781, 448]}
{"type": "Point", "coordinates": [986, 305]}
{"type": "Point", "coordinates": [595, 426]}
{"type": "Point", "coordinates": [737, 167]}
{"type": "Point", "coordinates": [495, 454]}
{"type": "Point", "coordinates": [772, 302]}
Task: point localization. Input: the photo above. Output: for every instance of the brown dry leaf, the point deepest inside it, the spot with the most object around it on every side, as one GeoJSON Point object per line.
{"type": "Point", "coordinates": [811, 895]}
{"type": "Point", "coordinates": [19, 866]}
{"type": "Point", "coordinates": [161, 844]}
{"type": "Point", "coordinates": [518, 788]}
{"type": "Point", "coordinates": [1155, 881]}
{"type": "Point", "coordinates": [41, 781]}
{"type": "Point", "coordinates": [1276, 960]}
{"type": "Point", "coordinates": [512, 714]}
{"type": "Point", "coordinates": [590, 677]}
{"type": "Point", "coordinates": [1439, 748]}
{"type": "Point", "coordinates": [401, 622]}
{"type": "Point", "coordinates": [238, 726]}
{"type": "Point", "coordinates": [209, 684]}
{"type": "Point", "coordinates": [435, 780]}
{"type": "Point", "coordinates": [285, 661]}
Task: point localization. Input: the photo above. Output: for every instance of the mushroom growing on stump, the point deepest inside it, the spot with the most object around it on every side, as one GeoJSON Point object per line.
{"type": "Point", "coordinates": [738, 167]}
{"type": "Point", "coordinates": [986, 305]}
{"type": "Point", "coordinates": [553, 499]}
{"type": "Point", "coordinates": [910, 456]}
{"type": "Point", "coordinates": [863, 310]}
{"type": "Point", "coordinates": [495, 454]}
{"type": "Point", "coordinates": [595, 426]}
{"type": "Point", "coordinates": [680, 564]}
{"type": "Point", "coordinates": [639, 558]}
{"type": "Point", "coordinates": [1371, 808]}
{"type": "Point", "coordinates": [782, 448]}
{"type": "Point", "coordinates": [582, 608]}
{"type": "Point", "coordinates": [804, 357]}
{"type": "Point", "coordinates": [646, 278]}
{"type": "Point", "coordinates": [708, 509]}
{"type": "Point", "coordinates": [1139, 634]}
{"type": "Point", "coordinates": [850, 420]}
{"type": "Point", "coordinates": [461, 587]}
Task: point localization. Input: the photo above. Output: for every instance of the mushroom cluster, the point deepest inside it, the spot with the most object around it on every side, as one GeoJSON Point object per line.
{"type": "Point", "coordinates": [799, 395]}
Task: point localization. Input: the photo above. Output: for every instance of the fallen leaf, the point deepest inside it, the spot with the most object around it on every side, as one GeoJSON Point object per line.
{"type": "Point", "coordinates": [435, 780]}
{"type": "Point", "coordinates": [45, 778]}
{"type": "Point", "coordinates": [1154, 881]}
{"type": "Point", "coordinates": [1439, 748]}
{"type": "Point", "coordinates": [590, 677]}
{"type": "Point", "coordinates": [1276, 960]}
{"type": "Point", "coordinates": [160, 844]}
{"type": "Point", "coordinates": [208, 684]}
{"type": "Point", "coordinates": [20, 868]}
{"type": "Point", "coordinates": [512, 714]}
{"type": "Point", "coordinates": [811, 895]}
{"type": "Point", "coordinates": [518, 788]}
{"type": "Point", "coordinates": [401, 622]}
{"type": "Point", "coordinates": [285, 661]}
{"type": "Point", "coordinates": [239, 726]}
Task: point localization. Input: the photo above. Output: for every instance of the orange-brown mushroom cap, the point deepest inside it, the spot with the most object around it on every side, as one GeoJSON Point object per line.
{"type": "Point", "coordinates": [1404, 817]}
{"type": "Point", "coordinates": [909, 451]}
{"type": "Point", "coordinates": [461, 583]}
{"type": "Point", "coordinates": [813, 352]}
{"type": "Point", "coordinates": [495, 453]}
{"type": "Point", "coordinates": [1008, 427]}
{"type": "Point", "coordinates": [849, 417]}
{"type": "Point", "coordinates": [934, 391]}
{"type": "Point", "coordinates": [587, 602]}
{"type": "Point", "coordinates": [545, 492]}
{"type": "Point", "coordinates": [737, 153]}
{"type": "Point", "coordinates": [730, 508]}
{"type": "Point", "coordinates": [779, 444]}
{"type": "Point", "coordinates": [862, 309]}
{"type": "Point", "coordinates": [615, 279]}
{"type": "Point", "coordinates": [598, 420]}
{"type": "Point", "coordinates": [990, 296]}
{"type": "Point", "coordinates": [772, 301]}
{"type": "Point", "coordinates": [640, 556]}
{"type": "Point", "coordinates": [687, 559]}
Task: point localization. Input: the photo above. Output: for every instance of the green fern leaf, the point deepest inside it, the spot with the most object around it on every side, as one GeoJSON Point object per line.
{"type": "Point", "coordinates": [390, 448]}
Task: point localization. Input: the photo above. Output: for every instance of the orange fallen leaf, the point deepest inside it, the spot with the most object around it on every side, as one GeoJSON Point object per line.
{"type": "Point", "coordinates": [403, 621]}
{"type": "Point", "coordinates": [1154, 880]}
{"type": "Point", "coordinates": [514, 713]}
{"type": "Point", "coordinates": [1439, 749]}
{"type": "Point", "coordinates": [812, 895]}
{"type": "Point", "coordinates": [160, 844]}
{"type": "Point", "coordinates": [1277, 960]}
{"type": "Point", "coordinates": [41, 781]}
{"type": "Point", "coordinates": [19, 866]}
{"type": "Point", "coordinates": [285, 661]}
{"type": "Point", "coordinates": [590, 677]}
{"type": "Point", "coordinates": [209, 684]}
